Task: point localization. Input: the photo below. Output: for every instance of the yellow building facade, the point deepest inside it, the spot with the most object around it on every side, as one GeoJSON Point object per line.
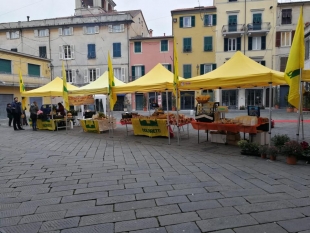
{"type": "Point", "coordinates": [35, 71]}
{"type": "Point", "coordinates": [194, 30]}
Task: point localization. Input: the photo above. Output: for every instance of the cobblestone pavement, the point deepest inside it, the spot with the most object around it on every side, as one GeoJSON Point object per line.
{"type": "Point", "coordinates": [75, 182]}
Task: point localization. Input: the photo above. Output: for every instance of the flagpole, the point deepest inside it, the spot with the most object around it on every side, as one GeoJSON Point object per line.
{"type": "Point", "coordinates": [269, 128]}
{"type": "Point", "coordinates": [168, 123]}
{"type": "Point", "coordinates": [177, 107]}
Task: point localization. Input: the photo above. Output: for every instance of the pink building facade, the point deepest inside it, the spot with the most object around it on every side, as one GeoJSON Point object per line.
{"type": "Point", "coordinates": [145, 53]}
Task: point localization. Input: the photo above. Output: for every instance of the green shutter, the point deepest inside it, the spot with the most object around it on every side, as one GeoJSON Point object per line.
{"type": "Point", "coordinates": [33, 70]}
{"type": "Point", "coordinates": [250, 43]}
{"type": "Point", "coordinates": [187, 44]}
{"type": "Point", "coordinates": [5, 66]}
{"type": "Point", "coordinates": [133, 73]}
{"type": "Point", "coordinates": [225, 44]}
{"type": "Point", "coordinates": [263, 42]}
{"type": "Point", "coordinates": [214, 20]}
{"type": "Point", "coordinates": [213, 66]}
{"type": "Point", "coordinates": [206, 20]}
{"type": "Point", "coordinates": [238, 43]}
{"type": "Point", "coordinates": [208, 43]}
{"type": "Point", "coordinates": [193, 21]}
{"type": "Point", "coordinates": [181, 22]}
{"type": "Point", "coordinates": [263, 63]}
{"type": "Point", "coordinates": [142, 70]}
{"type": "Point", "coordinates": [169, 67]}
{"type": "Point", "coordinates": [202, 69]}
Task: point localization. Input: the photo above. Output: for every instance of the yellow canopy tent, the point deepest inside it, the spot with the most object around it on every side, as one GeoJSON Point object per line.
{"type": "Point", "coordinates": [239, 71]}
{"type": "Point", "coordinates": [53, 88]}
{"type": "Point", "coordinates": [306, 75]}
{"type": "Point", "coordinates": [158, 79]}
{"type": "Point", "coordinates": [99, 86]}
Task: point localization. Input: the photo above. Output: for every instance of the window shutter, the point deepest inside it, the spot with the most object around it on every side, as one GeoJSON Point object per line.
{"type": "Point", "coordinates": [97, 73]}
{"type": "Point", "coordinates": [193, 21]}
{"type": "Point", "coordinates": [8, 35]}
{"type": "Point", "coordinates": [36, 33]}
{"type": "Point", "coordinates": [122, 27]}
{"type": "Point", "coordinates": [61, 54]}
{"type": "Point", "coordinates": [123, 74]}
{"type": "Point", "coordinates": [263, 63]}
{"type": "Point", "coordinates": [202, 69]}
{"type": "Point", "coordinates": [96, 29]}
{"type": "Point", "coordinates": [169, 67]}
{"type": "Point", "coordinates": [133, 73]}
{"type": "Point", "coordinates": [142, 70]}
{"type": "Point", "coordinates": [293, 33]}
{"type": "Point", "coordinates": [85, 30]}
{"type": "Point", "coordinates": [73, 76]}
{"type": "Point", "coordinates": [181, 22]}
{"type": "Point", "coordinates": [250, 43]}
{"type": "Point", "coordinates": [89, 55]}
{"type": "Point", "coordinates": [71, 31]}
{"type": "Point", "coordinates": [47, 32]}
{"type": "Point", "coordinates": [278, 39]}
{"type": "Point", "coordinates": [17, 34]}
{"type": "Point", "coordinates": [213, 20]}
{"type": "Point", "coordinates": [225, 44]}
{"type": "Point", "coordinates": [60, 31]}
{"type": "Point", "coordinates": [206, 20]}
{"type": "Point", "coordinates": [72, 51]}
{"type": "Point", "coordinates": [263, 42]}
{"type": "Point", "coordinates": [213, 66]}
{"type": "Point", "coordinates": [110, 28]}
{"type": "Point", "coordinates": [239, 43]}
{"type": "Point", "coordinates": [86, 76]}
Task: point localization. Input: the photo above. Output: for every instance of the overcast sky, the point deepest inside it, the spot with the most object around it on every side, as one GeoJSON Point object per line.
{"type": "Point", "coordinates": [156, 13]}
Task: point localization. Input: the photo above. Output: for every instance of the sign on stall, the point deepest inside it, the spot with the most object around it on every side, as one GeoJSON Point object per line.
{"type": "Point", "coordinates": [81, 100]}
{"type": "Point", "coordinates": [151, 128]}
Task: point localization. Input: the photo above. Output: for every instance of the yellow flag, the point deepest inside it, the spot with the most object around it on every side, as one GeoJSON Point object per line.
{"type": "Point", "coordinates": [176, 74]}
{"type": "Point", "coordinates": [112, 95]}
{"type": "Point", "coordinates": [65, 90]}
{"type": "Point", "coordinates": [295, 63]}
{"type": "Point", "coordinates": [22, 89]}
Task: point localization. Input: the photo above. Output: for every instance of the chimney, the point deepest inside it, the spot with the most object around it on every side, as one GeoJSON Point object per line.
{"type": "Point", "coordinates": [151, 32]}
{"type": "Point", "coordinates": [28, 17]}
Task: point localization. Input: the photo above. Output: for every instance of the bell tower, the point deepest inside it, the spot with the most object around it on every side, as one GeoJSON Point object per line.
{"type": "Point", "coordinates": [86, 7]}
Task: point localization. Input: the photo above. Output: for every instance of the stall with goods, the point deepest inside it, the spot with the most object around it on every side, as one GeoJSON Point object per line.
{"type": "Point", "coordinates": [98, 123]}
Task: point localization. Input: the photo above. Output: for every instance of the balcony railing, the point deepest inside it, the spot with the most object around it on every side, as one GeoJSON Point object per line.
{"type": "Point", "coordinates": [233, 29]}
{"type": "Point", "coordinates": [255, 28]}
{"type": "Point", "coordinates": [29, 81]}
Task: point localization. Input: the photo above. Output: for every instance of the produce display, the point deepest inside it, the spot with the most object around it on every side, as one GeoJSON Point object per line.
{"type": "Point", "coordinates": [203, 98]}
{"type": "Point", "coordinates": [172, 118]}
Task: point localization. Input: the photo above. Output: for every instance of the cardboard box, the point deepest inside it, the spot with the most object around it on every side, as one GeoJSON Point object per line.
{"type": "Point", "coordinates": [218, 138]}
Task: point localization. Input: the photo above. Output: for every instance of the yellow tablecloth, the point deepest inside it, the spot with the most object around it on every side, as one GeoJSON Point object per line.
{"type": "Point", "coordinates": [96, 126]}
{"type": "Point", "coordinates": [151, 128]}
{"type": "Point", "coordinates": [45, 124]}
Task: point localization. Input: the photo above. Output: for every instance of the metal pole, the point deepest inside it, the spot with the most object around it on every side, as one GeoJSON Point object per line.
{"type": "Point", "coordinates": [269, 130]}
{"type": "Point", "coordinates": [178, 128]}
{"type": "Point", "coordinates": [168, 123]}
{"type": "Point", "coordinates": [148, 103]}
{"type": "Point", "coordinates": [299, 107]}
{"type": "Point", "coordinates": [52, 109]}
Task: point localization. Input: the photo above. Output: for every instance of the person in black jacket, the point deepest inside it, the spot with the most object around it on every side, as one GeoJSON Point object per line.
{"type": "Point", "coordinates": [9, 113]}
{"type": "Point", "coordinates": [17, 112]}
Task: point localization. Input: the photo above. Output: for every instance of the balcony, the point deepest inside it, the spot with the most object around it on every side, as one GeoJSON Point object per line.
{"type": "Point", "coordinates": [233, 30]}
{"type": "Point", "coordinates": [258, 28]}
{"type": "Point", "coordinates": [29, 81]}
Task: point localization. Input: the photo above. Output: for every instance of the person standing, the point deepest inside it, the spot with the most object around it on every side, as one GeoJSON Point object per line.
{"type": "Point", "coordinates": [17, 112]}
{"type": "Point", "coordinates": [34, 115]}
{"type": "Point", "coordinates": [9, 113]}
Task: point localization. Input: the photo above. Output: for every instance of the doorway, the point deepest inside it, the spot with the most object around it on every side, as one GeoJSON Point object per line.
{"type": "Point", "coordinates": [254, 97]}
{"type": "Point", "coordinates": [187, 100]}
{"type": "Point", "coordinates": [139, 102]}
{"type": "Point", "coordinates": [229, 98]}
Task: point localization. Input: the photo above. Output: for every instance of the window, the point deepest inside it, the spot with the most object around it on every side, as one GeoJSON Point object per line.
{"type": "Point", "coordinates": [42, 52]}
{"type": "Point", "coordinates": [164, 45]}
{"type": "Point", "coordinates": [307, 46]}
{"type": "Point", "coordinates": [12, 35]}
{"type": "Point", "coordinates": [232, 0]}
{"type": "Point", "coordinates": [187, 44]}
{"type": "Point", "coordinates": [286, 16]}
{"type": "Point", "coordinates": [14, 50]}
{"type": "Point", "coordinates": [285, 39]}
{"type": "Point", "coordinates": [232, 44]}
{"type": "Point", "coordinates": [137, 72]}
{"type": "Point", "coordinates": [283, 61]}
{"type": "Point", "coordinates": [263, 63]}
{"type": "Point", "coordinates": [68, 31]}
{"type": "Point", "coordinates": [232, 23]}
{"type": "Point", "coordinates": [138, 47]}
{"type": "Point", "coordinates": [117, 50]}
{"type": "Point", "coordinates": [117, 28]}
{"type": "Point", "coordinates": [167, 66]}
{"type": "Point", "coordinates": [206, 68]}
{"type": "Point", "coordinates": [5, 66]}
{"type": "Point", "coordinates": [69, 76]}
{"type": "Point", "coordinates": [257, 21]}
{"type": "Point", "coordinates": [33, 70]}
{"type": "Point", "coordinates": [208, 43]}
{"type": "Point", "coordinates": [187, 71]}
{"type": "Point", "coordinates": [91, 51]}
{"type": "Point", "coordinates": [43, 32]}
{"type": "Point", "coordinates": [66, 52]}
{"type": "Point", "coordinates": [257, 43]}
{"type": "Point", "coordinates": [187, 22]}
{"type": "Point", "coordinates": [209, 20]}
{"type": "Point", "coordinates": [92, 75]}
{"type": "Point", "coordinates": [120, 73]}
{"type": "Point", "coordinates": [91, 30]}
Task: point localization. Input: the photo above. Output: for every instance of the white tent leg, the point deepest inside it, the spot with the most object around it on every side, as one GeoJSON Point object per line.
{"type": "Point", "coordinates": [269, 130]}
{"type": "Point", "coordinates": [178, 128]}
{"type": "Point", "coordinates": [168, 123]}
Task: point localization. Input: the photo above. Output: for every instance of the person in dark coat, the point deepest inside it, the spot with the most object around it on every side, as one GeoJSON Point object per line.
{"type": "Point", "coordinates": [61, 109]}
{"type": "Point", "coordinates": [17, 112]}
{"type": "Point", "coordinates": [33, 115]}
{"type": "Point", "coordinates": [9, 113]}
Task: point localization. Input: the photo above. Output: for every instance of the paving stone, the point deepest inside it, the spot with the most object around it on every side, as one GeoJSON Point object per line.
{"type": "Point", "coordinates": [89, 211]}
{"type": "Point", "coordinates": [296, 225]}
{"type": "Point", "coordinates": [226, 223]}
{"type": "Point", "coordinates": [242, 192]}
{"type": "Point", "coordinates": [268, 197]}
{"type": "Point", "coordinates": [259, 207]}
{"type": "Point", "coordinates": [171, 200]}
{"type": "Point", "coordinates": [301, 201]}
{"type": "Point", "coordinates": [107, 218]}
{"type": "Point", "coordinates": [140, 184]}
{"type": "Point", "coordinates": [9, 200]}
{"type": "Point", "coordinates": [143, 196]}
{"type": "Point", "coordinates": [63, 183]}
{"type": "Point", "coordinates": [52, 195]}
{"type": "Point", "coordinates": [136, 224]}
{"type": "Point", "coordinates": [100, 189]}
{"type": "Point", "coordinates": [217, 213]}
{"type": "Point", "coordinates": [17, 212]}
{"type": "Point", "coordinates": [9, 221]}
{"type": "Point", "coordinates": [158, 188]}
{"type": "Point", "coordinates": [152, 230]}
{"type": "Point", "coordinates": [103, 183]}
{"type": "Point", "coordinates": [178, 218]}
{"type": "Point", "coordinates": [68, 187]}
{"type": "Point", "coordinates": [205, 196]}
{"type": "Point", "coordinates": [224, 231]}
{"type": "Point", "coordinates": [265, 228]}
{"type": "Point", "coordinates": [100, 228]}
{"type": "Point", "coordinates": [60, 224]}
{"type": "Point", "coordinates": [276, 215]}
{"type": "Point", "coordinates": [199, 205]}
{"type": "Point", "coordinates": [184, 227]}
{"type": "Point", "coordinates": [234, 201]}
{"type": "Point", "coordinates": [22, 228]}
{"type": "Point", "coordinates": [115, 199]}
{"type": "Point", "coordinates": [157, 211]}
{"type": "Point", "coordinates": [65, 206]}
{"type": "Point", "coordinates": [125, 192]}
{"type": "Point", "coordinates": [9, 206]}
{"type": "Point", "coordinates": [186, 191]}
{"type": "Point", "coordinates": [42, 202]}
{"type": "Point", "coordinates": [134, 205]}
{"type": "Point", "coordinates": [43, 217]}
{"type": "Point", "coordinates": [83, 197]}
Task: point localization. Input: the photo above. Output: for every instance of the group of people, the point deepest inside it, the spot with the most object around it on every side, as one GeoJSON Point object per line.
{"type": "Point", "coordinates": [15, 113]}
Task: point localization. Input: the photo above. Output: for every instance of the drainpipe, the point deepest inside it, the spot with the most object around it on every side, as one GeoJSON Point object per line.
{"type": "Point", "coordinates": [49, 45]}
{"type": "Point", "coordinates": [245, 26]}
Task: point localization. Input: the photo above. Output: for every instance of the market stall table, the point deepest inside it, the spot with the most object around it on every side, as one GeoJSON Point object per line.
{"type": "Point", "coordinates": [150, 127]}
{"type": "Point", "coordinates": [97, 126]}
{"type": "Point", "coordinates": [51, 124]}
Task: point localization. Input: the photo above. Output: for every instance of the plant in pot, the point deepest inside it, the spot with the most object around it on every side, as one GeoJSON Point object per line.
{"type": "Point", "coordinates": [292, 150]}
{"type": "Point", "coordinates": [276, 105]}
{"type": "Point", "coordinates": [289, 107]}
{"type": "Point", "coordinates": [305, 151]}
{"type": "Point", "coordinates": [242, 107]}
{"type": "Point", "coordinates": [248, 148]}
{"type": "Point", "coordinates": [263, 151]}
{"type": "Point", "coordinates": [272, 152]}
{"type": "Point", "coordinates": [279, 140]}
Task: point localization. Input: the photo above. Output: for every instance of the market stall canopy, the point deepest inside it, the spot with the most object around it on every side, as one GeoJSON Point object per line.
{"type": "Point", "coordinates": [157, 79]}
{"type": "Point", "coordinates": [99, 86]}
{"type": "Point", "coordinates": [53, 88]}
{"type": "Point", "coordinates": [239, 71]}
